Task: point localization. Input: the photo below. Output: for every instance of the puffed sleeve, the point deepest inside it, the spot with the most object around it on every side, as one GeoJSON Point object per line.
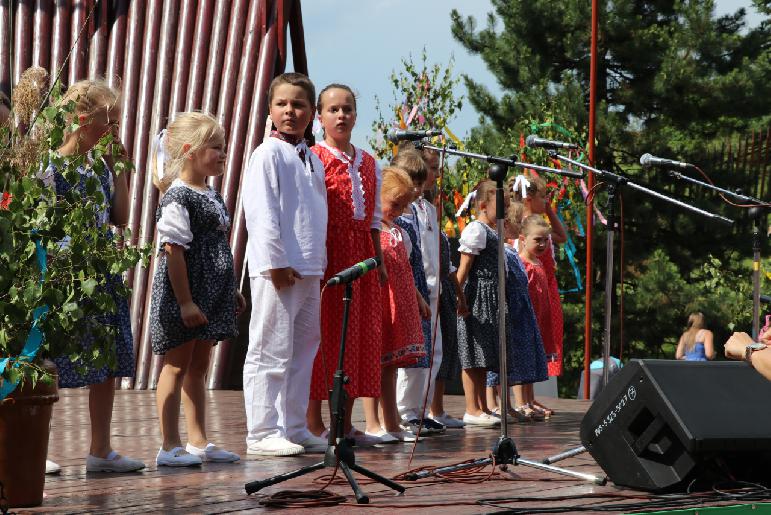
{"type": "Point", "coordinates": [473, 239]}
{"type": "Point", "coordinates": [377, 215]}
{"type": "Point", "coordinates": [174, 226]}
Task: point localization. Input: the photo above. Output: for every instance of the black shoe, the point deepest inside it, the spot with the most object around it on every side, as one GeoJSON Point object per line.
{"type": "Point", "coordinates": [433, 426]}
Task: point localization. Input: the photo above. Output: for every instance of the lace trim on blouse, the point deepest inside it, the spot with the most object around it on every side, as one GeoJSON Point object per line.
{"type": "Point", "coordinates": [357, 186]}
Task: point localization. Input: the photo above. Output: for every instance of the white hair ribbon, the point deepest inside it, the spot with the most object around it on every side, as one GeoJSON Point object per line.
{"type": "Point", "coordinates": [160, 153]}
{"type": "Point", "coordinates": [522, 184]}
{"type": "Point", "coordinates": [466, 204]}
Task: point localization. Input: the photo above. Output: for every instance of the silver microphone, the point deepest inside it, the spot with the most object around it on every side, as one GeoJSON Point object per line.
{"type": "Point", "coordinates": [535, 141]}
{"type": "Point", "coordinates": [649, 160]}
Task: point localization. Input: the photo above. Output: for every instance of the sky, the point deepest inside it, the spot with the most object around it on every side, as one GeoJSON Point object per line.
{"type": "Point", "coordinates": [360, 42]}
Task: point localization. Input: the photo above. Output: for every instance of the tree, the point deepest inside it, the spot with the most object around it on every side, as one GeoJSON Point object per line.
{"type": "Point", "coordinates": [673, 80]}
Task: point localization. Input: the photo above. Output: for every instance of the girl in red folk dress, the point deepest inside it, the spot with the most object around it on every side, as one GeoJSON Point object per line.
{"type": "Point", "coordinates": [403, 341]}
{"type": "Point", "coordinates": [353, 235]}
{"type": "Point", "coordinates": [534, 197]}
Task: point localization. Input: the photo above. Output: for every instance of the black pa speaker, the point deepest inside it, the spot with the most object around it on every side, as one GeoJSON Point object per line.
{"type": "Point", "coordinates": [659, 424]}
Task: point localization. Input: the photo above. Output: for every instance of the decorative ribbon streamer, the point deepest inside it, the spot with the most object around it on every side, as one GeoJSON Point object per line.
{"type": "Point", "coordinates": [160, 154]}
{"type": "Point", "coordinates": [35, 336]}
{"type": "Point", "coordinates": [521, 183]}
{"type": "Point", "coordinates": [570, 249]}
{"type": "Point", "coordinates": [466, 204]}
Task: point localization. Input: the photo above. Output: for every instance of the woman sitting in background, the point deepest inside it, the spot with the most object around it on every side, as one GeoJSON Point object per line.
{"type": "Point", "coordinates": [696, 342]}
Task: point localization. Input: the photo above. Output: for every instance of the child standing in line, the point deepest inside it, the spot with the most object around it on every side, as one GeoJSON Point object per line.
{"type": "Point", "coordinates": [402, 331]}
{"type": "Point", "coordinates": [194, 299]}
{"type": "Point", "coordinates": [525, 358]}
{"type": "Point", "coordinates": [478, 332]}
{"type": "Point", "coordinates": [533, 244]}
{"type": "Point", "coordinates": [285, 204]}
{"type": "Point", "coordinates": [452, 303]}
{"type": "Point", "coordinates": [353, 234]}
{"type": "Point", "coordinates": [97, 111]}
{"type": "Point", "coordinates": [536, 202]}
{"type": "Point", "coordinates": [419, 220]}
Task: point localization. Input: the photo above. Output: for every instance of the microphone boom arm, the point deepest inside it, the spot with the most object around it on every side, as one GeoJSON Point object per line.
{"type": "Point", "coordinates": [511, 163]}
{"type": "Point", "coordinates": [621, 180]}
{"type": "Point", "coordinates": [734, 195]}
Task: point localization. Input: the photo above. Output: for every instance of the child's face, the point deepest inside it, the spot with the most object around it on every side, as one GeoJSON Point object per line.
{"type": "Point", "coordinates": [417, 190]}
{"type": "Point", "coordinates": [338, 113]}
{"type": "Point", "coordinates": [290, 109]}
{"type": "Point", "coordinates": [394, 205]}
{"type": "Point", "coordinates": [209, 160]}
{"type": "Point", "coordinates": [535, 241]}
{"type": "Point", "coordinates": [432, 167]}
{"type": "Point", "coordinates": [96, 125]}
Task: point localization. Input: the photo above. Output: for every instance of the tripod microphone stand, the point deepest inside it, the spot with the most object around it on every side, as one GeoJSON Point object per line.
{"type": "Point", "coordinates": [755, 213]}
{"type": "Point", "coordinates": [504, 451]}
{"type": "Point", "coordinates": [339, 451]}
{"type": "Point", "coordinates": [615, 184]}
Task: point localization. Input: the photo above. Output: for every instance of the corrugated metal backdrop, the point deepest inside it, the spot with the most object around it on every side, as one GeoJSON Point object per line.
{"type": "Point", "coordinates": [167, 56]}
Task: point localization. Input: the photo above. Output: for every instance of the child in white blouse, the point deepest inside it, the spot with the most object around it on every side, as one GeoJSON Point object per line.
{"type": "Point", "coordinates": [194, 301]}
{"type": "Point", "coordinates": [285, 204]}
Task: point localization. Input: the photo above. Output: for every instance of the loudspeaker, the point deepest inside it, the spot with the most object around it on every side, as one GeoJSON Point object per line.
{"type": "Point", "coordinates": [659, 424]}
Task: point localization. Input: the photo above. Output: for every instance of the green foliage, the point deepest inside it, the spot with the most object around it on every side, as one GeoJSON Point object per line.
{"type": "Point", "coordinates": [74, 285]}
{"type": "Point", "coordinates": [673, 80]}
{"type": "Point", "coordinates": [429, 88]}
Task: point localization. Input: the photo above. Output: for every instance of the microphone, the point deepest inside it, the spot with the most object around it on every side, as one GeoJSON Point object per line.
{"type": "Point", "coordinates": [649, 160]}
{"type": "Point", "coordinates": [354, 272]}
{"type": "Point", "coordinates": [396, 136]}
{"type": "Point", "coordinates": [535, 141]}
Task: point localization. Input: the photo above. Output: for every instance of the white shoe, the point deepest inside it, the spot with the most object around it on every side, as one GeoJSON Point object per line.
{"type": "Point", "coordinates": [363, 439]}
{"type": "Point", "coordinates": [480, 420]}
{"type": "Point", "coordinates": [114, 462]}
{"type": "Point", "coordinates": [403, 436]}
{"type": "Point", "coordinates": [177, 457]}
{"type": "Point", "coordinates": [212, 453]}
{"type": "Point", "coordinates": [274, 447]}
{"type": "Point", "coordinates": [448, 421]}
{"type": "Point", "coordinates": [383, 435]}
{"type": "Point", "coordinates": [52, 467]}
{"type": "Point", "coordinates": [314, 444]}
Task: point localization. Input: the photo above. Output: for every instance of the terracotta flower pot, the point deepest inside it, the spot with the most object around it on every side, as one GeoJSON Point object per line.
{"type": "Point", "coordinates": [25, 417]}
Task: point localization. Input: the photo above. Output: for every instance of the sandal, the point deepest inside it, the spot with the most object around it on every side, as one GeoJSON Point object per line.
{"type": "Point", "coordinates": [524, 413]}
{"type": "Point", "coordinates": [538, 407]}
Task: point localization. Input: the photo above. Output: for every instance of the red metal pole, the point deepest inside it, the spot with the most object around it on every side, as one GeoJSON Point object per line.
{"type": "Point", "coordinates": [590, 205]}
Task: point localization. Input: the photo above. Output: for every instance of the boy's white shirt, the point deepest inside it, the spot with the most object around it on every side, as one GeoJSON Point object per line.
{"type": "Point", "coordinates": [429, 242]}
{"type": "Point", "coordinates": [285, 205]}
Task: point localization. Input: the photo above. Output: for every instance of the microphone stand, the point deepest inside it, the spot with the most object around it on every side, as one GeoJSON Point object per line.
{"type": "Point", "coordinates": [339, 451]}
{"type": "Point", "coordinates": [504, 451]}
{"type": "Point", "coordinates": [755, 213]}
{"type": "Point", "coordinates": [615, 183]}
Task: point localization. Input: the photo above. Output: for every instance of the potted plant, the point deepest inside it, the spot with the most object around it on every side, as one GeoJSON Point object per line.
{"type": "Point", "coordinates": [54, 260]}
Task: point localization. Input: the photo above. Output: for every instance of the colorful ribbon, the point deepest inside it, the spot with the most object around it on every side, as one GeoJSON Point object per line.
{"type": "Point", "coordinates": [35, 336]}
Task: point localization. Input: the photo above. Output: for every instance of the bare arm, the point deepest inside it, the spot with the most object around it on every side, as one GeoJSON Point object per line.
{"type": "Point", "coordinates": [680, 352]}
{"type": "Point", "coordinates": [192, 316]}
{"type": "Point", "coordinates": [709, 346]}
{"type": "Point", "coordinates": [462, 306]}
{"type": "Point", "coordinates": [558, 233]}
{"type": "Point", "coordinates": [119, 209]}
{"type": "Point", "coordinates": [761, 359]}
{"type": "Point", "coordinates": [382, 272]}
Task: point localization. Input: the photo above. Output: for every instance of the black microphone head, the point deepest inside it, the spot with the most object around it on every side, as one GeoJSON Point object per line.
{"type": "Point", "coordinates": [530, 140]}
{"type": "Point", "coordinates": [645, 159]}
{"type": "Point", "coordinates": [498, 172]}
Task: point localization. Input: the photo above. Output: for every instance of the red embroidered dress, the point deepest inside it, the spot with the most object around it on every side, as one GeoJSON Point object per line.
{"type": "Point", "coordinates": [538, 288]}
{"type": "Point", "coordinates": [554, 350]}
{"type": "Point", "coordinates": [352, 191]}
{"type": "Point", "coordinates": [402, 331]}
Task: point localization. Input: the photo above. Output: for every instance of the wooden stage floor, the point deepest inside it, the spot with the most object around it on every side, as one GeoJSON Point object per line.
{"type": "Point", "coordinates": [219, 488]}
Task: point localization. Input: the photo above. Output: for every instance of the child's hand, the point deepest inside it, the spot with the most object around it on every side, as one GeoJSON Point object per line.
{"type": "Point", "coordinates": [283, 277]}
{"type": "Point", "coordinates": [463, 307]}
{"type": "Point", "coordinates": [192, 316]}
{"type": "Point", "coordinates": [424, 308]}
{"type": "Point", "coordinates": [240, 303]}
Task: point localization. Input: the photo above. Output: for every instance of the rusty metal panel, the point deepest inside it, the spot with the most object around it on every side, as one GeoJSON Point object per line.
{"type": "Point", "coordinates": [166, 56]}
